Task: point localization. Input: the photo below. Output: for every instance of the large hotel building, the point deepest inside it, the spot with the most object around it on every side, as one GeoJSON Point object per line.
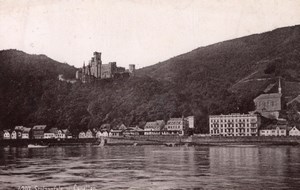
{"type": "Point", "coordinates": [234, 125]}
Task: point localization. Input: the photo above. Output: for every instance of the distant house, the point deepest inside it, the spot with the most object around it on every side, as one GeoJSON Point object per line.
{"type": "Point", "coordinates": [100, 134]}
{"type": "Point", "coordinates": [295, 131]}
{"type": "Point", "coordinates": [175, 126]}
{"type": "Point", "coordinates": [13, 135]}
{"type": "Point", "coordinates": [25, 133]}
{"type": "Point", "coordinates": [154, 128]}
{"type": "Point", "coordinates": [51, 134]}
{"type": "Point", "coordinates": [60, 134]}
{"type": "Point", "coordinates": [19, 130]}
{"type": "Point", "coordinates": [38, 131]}
{"type": "Point", "coordinates": [122, 127]}
{"type": "Point", "coordinates": [273, 130]}
{"type": "Point", "coordinates": [67, 133]}
{"type": "Point", "coordinates": [81, 135]}
{"type": "Point", "coordinates": [133, 131]}
{"type": "Point", "coordinates": [6, 134]}
{"type": "Point", "coordinates": [115, 133]}
{"type": "Point", "coordinates": [89, 134]}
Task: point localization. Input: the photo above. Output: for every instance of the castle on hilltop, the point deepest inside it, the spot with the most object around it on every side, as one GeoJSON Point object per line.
{"type": "Point", "coordinates": [96, 70]}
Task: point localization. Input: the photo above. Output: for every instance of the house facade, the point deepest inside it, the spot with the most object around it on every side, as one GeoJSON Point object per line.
{"type": "Point", "coordinates": [13, 135]}
{"type": "Point", "coordinates": [273, 130]}
{"type": "Point", "coordinates": [6, 134]}
{"type": "Point", "coordinates": [89, 134]}
{"type": "Point", "coordinates": [60, 134]}
{"type": "Point", "coordinates": [154, 128]}
{"type": "Point", "coordinates": [25, 133]}
{"type": "Point", "coordinates": [19, 130]}
{"type": "Point", "coordinates": [175, 126]}
{"type": "Point", "coordinates": [115, 133]}
{"type": "Point", "coordinates": [295, 131]}
{"type": "Point", "coordinates": [81, 135]}
{"type": "Point", "coordinates": [38, 131]}
{"type": "Point", "coordinates": [234, 125]}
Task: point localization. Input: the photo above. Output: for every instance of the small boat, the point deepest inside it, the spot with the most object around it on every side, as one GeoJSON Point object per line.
{"type": "Point", "coordinates": [37, 146]}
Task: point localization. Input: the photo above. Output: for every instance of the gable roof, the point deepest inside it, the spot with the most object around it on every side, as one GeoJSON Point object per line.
{"type": "Point", "coordinates": [19, 128]}
{"type": "Point", "coordinates": [268, 96]}
{"type": "Point", "coordinates": [39, 127]}
{"type": "Point", "coordinates": [53, 130]}
{"type": "Point", "coordinates": [273, 127]}
{"type": "Point", "coordinates": [296, 127]}
{"type": "Point", "coordinates": [26, 130]}
{"type": "Point", "coordinates": [297, 99]}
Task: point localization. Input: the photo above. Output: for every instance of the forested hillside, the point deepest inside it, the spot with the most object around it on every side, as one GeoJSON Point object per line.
{"type": "Point", "coordinates": [220, 78]}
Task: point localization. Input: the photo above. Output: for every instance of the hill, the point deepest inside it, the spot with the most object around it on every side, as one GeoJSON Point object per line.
{"type": "Point", "coordinates": [25, 81]}
{"type": "Point", "coordinates": [220, 78]}
{"type": "Point", "coordinates": [243, 67]}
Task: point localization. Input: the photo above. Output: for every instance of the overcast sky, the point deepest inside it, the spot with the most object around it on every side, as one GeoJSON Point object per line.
{"type": "Point", "coordinates": [141, 32]}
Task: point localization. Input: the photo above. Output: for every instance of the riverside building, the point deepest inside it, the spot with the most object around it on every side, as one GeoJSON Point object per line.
{"type": "Point", "coordinates": [234, 125]}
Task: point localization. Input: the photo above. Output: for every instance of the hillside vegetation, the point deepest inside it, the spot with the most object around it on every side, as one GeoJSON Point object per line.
{"type": "Point", "coordinates": [220, 78]}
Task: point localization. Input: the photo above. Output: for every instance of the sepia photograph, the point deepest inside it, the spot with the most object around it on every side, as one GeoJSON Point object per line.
{"type": "Point", "coordinates": [149, 94]}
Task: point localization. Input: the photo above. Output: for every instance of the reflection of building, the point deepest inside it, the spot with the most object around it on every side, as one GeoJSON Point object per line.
{"type": "Point", "coordinates": [96, 70]}
{"type": "Point", "coordinates": [234, 125]}
{"type": "Point", "coordinates": [269, 105]}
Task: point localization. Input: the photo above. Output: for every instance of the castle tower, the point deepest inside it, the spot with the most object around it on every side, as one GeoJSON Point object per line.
{"type": "Point", "coordinates": [132, 69]}
{"type": "Point", "coordinates": [98, 63]}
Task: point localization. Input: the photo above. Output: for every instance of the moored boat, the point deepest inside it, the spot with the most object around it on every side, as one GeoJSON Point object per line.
{"type": "Point", "coordinates": [37, 146]}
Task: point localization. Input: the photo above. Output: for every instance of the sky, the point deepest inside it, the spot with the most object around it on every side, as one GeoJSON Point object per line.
{"type": "Point", "coordinates": [140, 32]}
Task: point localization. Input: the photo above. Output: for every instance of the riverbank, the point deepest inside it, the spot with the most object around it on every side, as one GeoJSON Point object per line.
{"type": "Point", "coordinates": [199, 141]}
{"type": "Point", "coordinates": [171, 140]}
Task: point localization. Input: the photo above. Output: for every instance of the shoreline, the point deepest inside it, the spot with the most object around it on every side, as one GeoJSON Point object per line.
{"type": "Point", "coordinates": [156, 140]}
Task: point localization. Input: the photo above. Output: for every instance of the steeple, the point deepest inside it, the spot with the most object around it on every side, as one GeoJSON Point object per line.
{"type": "Point", "coordinates": [279, 86]}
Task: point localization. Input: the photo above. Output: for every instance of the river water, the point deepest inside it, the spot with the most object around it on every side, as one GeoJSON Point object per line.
{"type": "Point", "coordinates": [150, 167]}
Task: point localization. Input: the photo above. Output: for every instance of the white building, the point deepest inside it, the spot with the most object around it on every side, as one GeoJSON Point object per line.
{"type": "Point", "coordinates": [191, 121]}
{"type": "Point", "coordinates": [154, 127]}
{"type": "Point", "coordinates": [81, 135]}
{"type": "Point", "coordinates": [13, 135]}
{"type": "Point", "coordinates": [6, 134]}
{"type": "Point", "coordinates": [100, 134]}
{"type": "Point", "coordinates": [273, 130]}
{"type": "Point", "coordinates": [234, 125]}
{"type": "Point", "coordinates": [295, 131]}
{"type": "Point", "coordinates": [89, 134]}
{"type": "Point", "coordinates": [60, 134]}
{"type": "Point", "coordinates": [25, 133]}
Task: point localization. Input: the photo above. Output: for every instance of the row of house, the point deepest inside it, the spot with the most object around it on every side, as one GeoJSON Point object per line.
{"type": "Point", "coordinates": [248, 125]}
{"type": "Point", "coordinates": [37, 132]}
{"type": "Point", "coordinates": [174, 126]}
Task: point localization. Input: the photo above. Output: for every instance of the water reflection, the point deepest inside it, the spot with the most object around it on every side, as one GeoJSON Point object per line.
{"type": "Point", "coordinates": [152, 167]}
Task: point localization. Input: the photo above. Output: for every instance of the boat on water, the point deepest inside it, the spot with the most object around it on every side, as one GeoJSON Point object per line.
{"type": "Point", "coordinates": [37, 146]}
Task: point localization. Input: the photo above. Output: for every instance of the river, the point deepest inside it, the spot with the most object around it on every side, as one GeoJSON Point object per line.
{"type": "Point", "coordinates": [151, 167]}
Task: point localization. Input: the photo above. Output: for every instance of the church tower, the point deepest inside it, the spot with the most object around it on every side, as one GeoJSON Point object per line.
{"type": "Point", "coordinates": [279, 86]}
